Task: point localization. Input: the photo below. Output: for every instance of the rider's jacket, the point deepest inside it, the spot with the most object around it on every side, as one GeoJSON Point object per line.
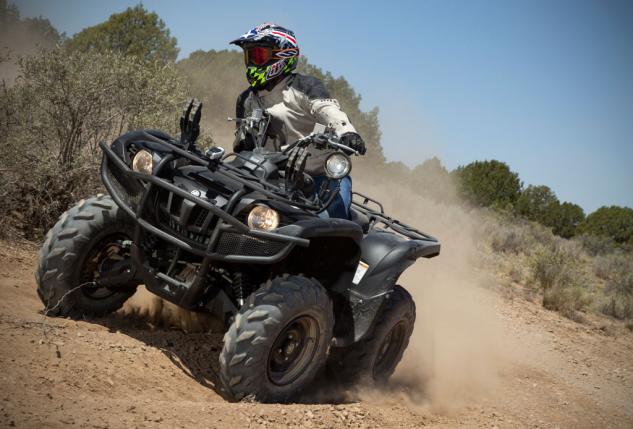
{"type": "Point", "coordinates": [295, 105]}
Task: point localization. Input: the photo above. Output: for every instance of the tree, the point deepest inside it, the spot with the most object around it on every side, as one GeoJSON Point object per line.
{"type": "Point", "coordinates": [614, 222]}
{"type": "Point", "coordinates": [535, 202]}
{"type": "Point", "coordinates": [488, 183]}
{"type": "Point", "coordinates": [134, 32]}
{"type": "Point", "coordinates": [564, 218]}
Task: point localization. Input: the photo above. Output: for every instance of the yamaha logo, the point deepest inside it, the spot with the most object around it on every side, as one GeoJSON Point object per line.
{"type": "Point", "coordinates": [196, 193]}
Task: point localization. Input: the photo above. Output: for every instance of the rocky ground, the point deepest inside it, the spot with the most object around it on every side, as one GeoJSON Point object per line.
{"type": "Point", "coordinates": [123, 372]}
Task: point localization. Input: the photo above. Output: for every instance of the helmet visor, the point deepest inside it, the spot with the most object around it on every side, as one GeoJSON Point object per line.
{"type": "Point", "coordinates": [257, 55]}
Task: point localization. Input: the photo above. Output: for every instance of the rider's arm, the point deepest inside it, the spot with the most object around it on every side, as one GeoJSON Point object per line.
{"type": "Point", "coordinates": [324, 109]}
{"type": "Point", "coordinates": [327, 111]}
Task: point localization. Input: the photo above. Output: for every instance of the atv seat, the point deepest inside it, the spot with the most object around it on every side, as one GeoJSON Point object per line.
{"type": "Point", "coordinates": [360, 218]}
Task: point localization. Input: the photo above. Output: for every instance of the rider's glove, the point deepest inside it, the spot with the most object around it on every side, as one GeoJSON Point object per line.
{"type": "Point", "coordinates": [354, 141]}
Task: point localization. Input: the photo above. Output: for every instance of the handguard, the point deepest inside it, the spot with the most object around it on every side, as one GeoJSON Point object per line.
{"type": "Point", "coordinates": [190, 124]}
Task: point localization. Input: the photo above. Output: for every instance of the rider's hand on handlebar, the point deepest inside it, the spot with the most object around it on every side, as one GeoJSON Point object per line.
{"type": "Point", "coordinates": [354, 141]}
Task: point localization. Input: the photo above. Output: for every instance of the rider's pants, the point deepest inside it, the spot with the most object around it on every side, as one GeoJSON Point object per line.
{"type": "Point", "coordinates": [340, 207]}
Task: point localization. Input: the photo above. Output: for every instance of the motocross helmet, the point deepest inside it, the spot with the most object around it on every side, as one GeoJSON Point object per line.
{"type": "Point", "coordinates": [270, 51]}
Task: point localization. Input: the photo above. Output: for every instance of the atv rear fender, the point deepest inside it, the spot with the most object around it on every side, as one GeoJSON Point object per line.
{"type": "Point", "coordinates": [387, 255]}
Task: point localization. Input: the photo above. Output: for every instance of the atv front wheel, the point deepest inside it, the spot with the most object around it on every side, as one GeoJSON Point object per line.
{"type": "Point", "coordinates": [278, 341]}
{"type": "Point", "coordinates": [374, 358]}
{"type": "Point", "coordinates": [88, 240]}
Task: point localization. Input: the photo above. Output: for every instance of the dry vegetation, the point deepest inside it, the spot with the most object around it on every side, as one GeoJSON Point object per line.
{"type": "Point", "coordinates": [568, 275]}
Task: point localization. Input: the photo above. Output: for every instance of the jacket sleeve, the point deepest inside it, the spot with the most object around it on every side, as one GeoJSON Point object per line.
{"type": "Point", "coordinates": [322, 107]}
{"type": "Point", "coordinates": [328, 112]}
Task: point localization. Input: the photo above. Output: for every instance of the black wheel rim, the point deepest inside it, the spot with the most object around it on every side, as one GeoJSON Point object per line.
{"type": "Point", "coordinates": [293, 350]}
{"type": "Point", "coordinates": [102, 256]}
{"type": "Point", "coordinates": [389, 351]}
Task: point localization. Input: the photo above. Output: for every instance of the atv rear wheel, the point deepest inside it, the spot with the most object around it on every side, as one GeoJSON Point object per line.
{"type": "Point", "coordinates": [278, 341]}
{"type": "Point", "coordinates": [88, 240]}
{"type": "Point", "coordinates": [374, 358]}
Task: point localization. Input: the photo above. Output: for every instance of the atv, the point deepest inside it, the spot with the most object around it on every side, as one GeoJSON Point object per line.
{"type": "Point", "coordinates": [246, 237]}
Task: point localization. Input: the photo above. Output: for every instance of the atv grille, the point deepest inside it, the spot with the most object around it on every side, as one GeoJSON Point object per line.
{"type": "Point", "coordinates": [232, 243]}
{"type": "Point", "coordinates": [183, 232]}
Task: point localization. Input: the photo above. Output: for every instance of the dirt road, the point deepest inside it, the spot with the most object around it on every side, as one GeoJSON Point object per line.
{"type": "Point", "coordinates": [123, 372]}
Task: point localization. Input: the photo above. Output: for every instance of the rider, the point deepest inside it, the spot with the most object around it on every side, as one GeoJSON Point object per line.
{"type": "Point", "coordinates": [295, 103]}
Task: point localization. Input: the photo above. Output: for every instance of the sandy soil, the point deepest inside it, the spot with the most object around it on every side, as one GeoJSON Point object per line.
{"type": "Point", "coordinates": [123, 372]}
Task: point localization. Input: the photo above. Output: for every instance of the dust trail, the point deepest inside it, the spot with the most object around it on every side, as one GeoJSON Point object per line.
{"type": "Point", "coordinates": [454, 355]}
{"type": "Point", "coordinates": [160, 313]}
{"type": "Point", "coordinates": [20, 38]}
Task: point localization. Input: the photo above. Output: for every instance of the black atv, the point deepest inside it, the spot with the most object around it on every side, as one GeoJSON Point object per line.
{"type": "Point", "coordinates": [245, 237]}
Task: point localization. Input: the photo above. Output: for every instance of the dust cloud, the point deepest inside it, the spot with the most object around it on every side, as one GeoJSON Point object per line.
{"type": "Point", "coordinates": [17, 41]}
{"type": "Point", "coordinates": [454, 355]}
{"type": "Point", "coordinates": [154, 310]}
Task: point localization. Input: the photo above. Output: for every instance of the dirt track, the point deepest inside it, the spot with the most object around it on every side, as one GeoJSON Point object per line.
{"type": "Point", "coordinates": [120, 372]}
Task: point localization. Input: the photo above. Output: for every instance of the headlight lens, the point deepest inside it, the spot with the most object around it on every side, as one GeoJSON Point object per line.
{"type": "Point", "coordinates": [262, 217]}
{"type": "Point", "coordinates": [143, 162]}
{"type": "Point", "coordinates": [337, 165]}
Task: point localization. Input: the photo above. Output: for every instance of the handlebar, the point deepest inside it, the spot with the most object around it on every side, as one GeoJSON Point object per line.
{"type": "Point", "coordinates": [321, 139]}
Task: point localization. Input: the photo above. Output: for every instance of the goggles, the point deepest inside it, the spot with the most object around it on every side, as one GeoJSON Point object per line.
{"type": "Point", "coordinates": [261, 55]}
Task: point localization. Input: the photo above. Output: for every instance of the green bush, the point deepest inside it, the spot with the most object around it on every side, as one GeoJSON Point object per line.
{"type": "Point", "coordinates": [488, 184]}
{"type": "Point", "coordinates": [564, 218]}
{"type": "Point", "coordinates": [613, 222]}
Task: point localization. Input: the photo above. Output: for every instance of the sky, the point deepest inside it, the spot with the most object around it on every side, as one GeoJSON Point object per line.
{"type": "Point", "coordinates": [543, 85]}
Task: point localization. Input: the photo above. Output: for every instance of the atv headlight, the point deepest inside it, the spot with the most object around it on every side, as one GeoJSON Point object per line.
{"type": "Point", "coordinates": [337, 165]}
{"type": "Point", "coordinates": [143, 162]}
{"type": "Point", "coordinates": [262, 217]}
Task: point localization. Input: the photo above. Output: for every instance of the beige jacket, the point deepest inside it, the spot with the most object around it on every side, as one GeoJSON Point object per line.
{"type": "Point", "coordinates": [295, 105]}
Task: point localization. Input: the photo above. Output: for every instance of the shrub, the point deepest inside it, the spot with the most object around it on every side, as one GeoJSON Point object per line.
{"type": "Point", "coordinates": [508, 239]}
{"type": "Point", "coordinates": [606, 266]}
{"type": "Point", "coordinates": [557, 273]}
{"type": "Point", "coordinates": [618, 291]}
{"type": "Point", "coordinates": [597, 244]}
{"type": "Point", "coordinates": [51, 121]}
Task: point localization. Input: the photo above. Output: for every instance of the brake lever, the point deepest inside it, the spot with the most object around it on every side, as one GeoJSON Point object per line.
{"type": "Point", "coordinates": [343, 147]}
